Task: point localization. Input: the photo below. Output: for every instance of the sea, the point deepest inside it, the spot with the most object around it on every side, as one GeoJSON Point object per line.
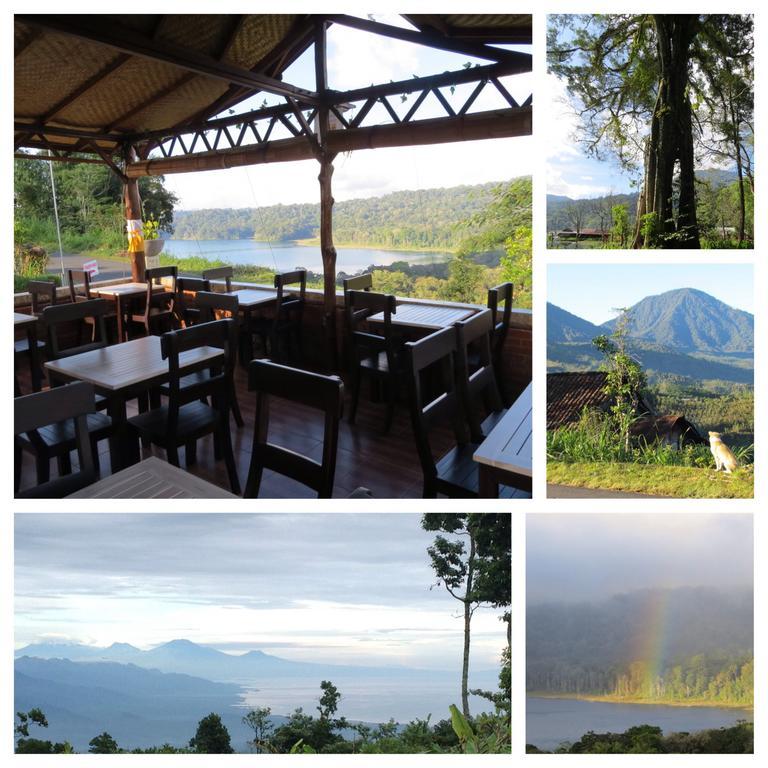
{"type": "Point", "coordinates": [550, 722]}
{"type": "Point", "coordinates": [284, 256]}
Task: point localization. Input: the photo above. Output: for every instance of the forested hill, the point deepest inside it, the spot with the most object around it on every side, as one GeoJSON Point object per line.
{"type": "Point", "coordinates": [426, 218]}
{"type": "Point", "coordinates": [662, 644]}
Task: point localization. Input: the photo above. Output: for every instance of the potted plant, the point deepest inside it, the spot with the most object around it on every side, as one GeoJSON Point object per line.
{"type": "Point", "coordinates": [152, 242]}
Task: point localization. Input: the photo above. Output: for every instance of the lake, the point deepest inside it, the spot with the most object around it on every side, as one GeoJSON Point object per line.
{"type": "Point", "coordinates": [289, 255]}
{"type": "Point", "coordinates": [549, 722]}
{"type": "Point", "coordinates": [374, 699]}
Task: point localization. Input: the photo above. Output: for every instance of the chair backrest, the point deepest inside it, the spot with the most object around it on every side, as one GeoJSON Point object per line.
{"type": "Point", "coordinates": [72, 401]}
{"type": "Point", "coordinates": [478, 389]}
{"type": "Point", "coordinates": [187, 289]}
{"type": "Point", "coordinates": [214, 306]}
{"type": "Point", "coordinates": [323, 393]}
{"type": "Point", "coordinates": [284, 279]}
{"type": "Point", "coordinates": [79, 284]}
{"type": "Point", "coordinates": [42, 294]}
{"type": "Point", "coordinates": [219, 273]}
{"type": "Point", "coordinates": [359, 306]}
{"type": "Point", "coordinates": [219, 334]}
{"type": "Point", "coordinates": [362, 282]}
{"type": "Point", "coordinates": [164, 301]}
{"type": "Point", "coordinates": [498, 296]}
{"type": "Point", "coordinates": [433, 398]}
{"type": "Point", "coordinates": [56, 315]}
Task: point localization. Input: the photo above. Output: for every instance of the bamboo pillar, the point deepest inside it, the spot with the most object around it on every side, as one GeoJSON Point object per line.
{"type": "Point", "coordinates": [133, 224]}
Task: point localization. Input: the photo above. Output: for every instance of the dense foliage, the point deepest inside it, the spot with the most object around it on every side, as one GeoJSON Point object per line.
{"type": "Point", "coordinates": [649, 739]}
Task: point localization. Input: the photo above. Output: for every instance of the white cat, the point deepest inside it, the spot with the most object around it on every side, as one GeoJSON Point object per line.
{"type": "Point", "coordinates": [724, 458]}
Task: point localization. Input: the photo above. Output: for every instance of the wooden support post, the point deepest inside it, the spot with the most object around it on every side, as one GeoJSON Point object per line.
{"type": "Point", "coordinates": [325, 158]}
{"type": "Point", "coordinates": [133, 222]}
{"type": "Point", "coordinates": [328, 252]}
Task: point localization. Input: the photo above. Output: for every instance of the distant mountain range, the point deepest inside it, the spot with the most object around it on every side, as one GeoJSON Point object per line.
{"type": "Point", "coordinates": [186, 657]}
{"type": "Point", "coordinates": [147, 698]}
{"type": "Point", "coordinates": [683, 332]}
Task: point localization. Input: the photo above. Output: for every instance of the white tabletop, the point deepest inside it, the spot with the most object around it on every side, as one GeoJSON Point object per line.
{"type": "Point", "coordinates": [152, 479]}
{"type": "Point", "coordinates": [22, 319]}
{"type": "Point", "coordinates": [123, 365]}
{"type": "Point", "coordinates": [252, 297]}
{"type": "Point", "coordinates": [509, 447]}
{"type": "Point", "coordinates": [122, 289]}
{"type": "Point", "coordinates": [430, 316]}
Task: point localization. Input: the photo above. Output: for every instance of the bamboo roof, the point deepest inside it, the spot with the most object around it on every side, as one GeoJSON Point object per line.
{"type": "Point", "coordinates": [96, 83]}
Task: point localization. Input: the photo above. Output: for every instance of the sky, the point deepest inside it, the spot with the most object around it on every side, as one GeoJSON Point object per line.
{"type": "Point", "coordinates": [593, 291]}
{"type": "Point", "coordinates": [589, 557]}
{"type": "Point", "coordinates": [357, 59]}
{"type": "Point", "coordinates": [333, 588]}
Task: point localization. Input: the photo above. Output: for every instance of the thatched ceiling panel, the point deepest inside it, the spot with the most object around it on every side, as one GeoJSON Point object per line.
{"type": "Point", "coordinates": [47, 71]}
{"type": "Point", "coordinates": [258, 36]}
{"type": "Point", "coordinates": [197, 32]}
{"type": "Point", "coordinates": [182, 103]}
{"type": "Point", "coordinates": [121, 91]}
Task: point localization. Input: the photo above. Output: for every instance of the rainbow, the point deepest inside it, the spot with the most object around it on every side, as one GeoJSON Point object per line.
{"type": "Point", "coordinates": [649, 649]}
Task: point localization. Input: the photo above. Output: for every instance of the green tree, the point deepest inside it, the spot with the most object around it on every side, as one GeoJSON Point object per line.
{"type": "Point", "coordinates": [620, 228]}
{"type": "Point", "coordinates": [103, 744]}
{"type": "Point", "coordinates": [211, 737]}
{"type": "Point", "coordinates": [474, 567]}
{"type": "Point", "coordinates": [634, 79]}
{"type": "Point", "coordinates": [31, 746]}
{"type": "Point", "coordinates": [464, 276]}
{"type": "Point", "coordinates": [259, 721]}
{"type": "Point", "coordinates": [625, 378]}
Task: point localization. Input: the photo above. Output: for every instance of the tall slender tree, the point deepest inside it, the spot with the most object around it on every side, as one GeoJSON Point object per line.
{"type": "Point", "coordinates": [474, 566]}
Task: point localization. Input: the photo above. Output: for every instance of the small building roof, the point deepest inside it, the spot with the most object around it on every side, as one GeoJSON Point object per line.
{"type": "Point", "coordinates": [653, 427]}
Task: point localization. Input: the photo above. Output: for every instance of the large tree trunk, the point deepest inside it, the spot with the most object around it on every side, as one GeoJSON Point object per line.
{"type": "Point", "coordinates": [671, 140]}
{"type": "Point", "coordinates": [133, 221]}
{"type": "Point", "coordinates": [736, 127]}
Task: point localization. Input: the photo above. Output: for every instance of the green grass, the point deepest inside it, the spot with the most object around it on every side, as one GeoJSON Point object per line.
{"type": "Point", "coordinates": [656, 479]}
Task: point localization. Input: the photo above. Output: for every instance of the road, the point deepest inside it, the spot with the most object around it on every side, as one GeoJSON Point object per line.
{"type": "Point", "coordinates": [108, 270]}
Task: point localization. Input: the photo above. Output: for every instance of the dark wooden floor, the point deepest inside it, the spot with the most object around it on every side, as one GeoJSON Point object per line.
{"type": "Point", "coordinates": [387, 465]}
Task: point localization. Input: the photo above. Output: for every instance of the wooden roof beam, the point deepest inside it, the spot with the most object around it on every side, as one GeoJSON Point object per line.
{"type": "Point", "coordinates": [428, 38]}
{"type": "Point", "coordinates": [522, 35]}
{"type": "Point", "coordinates": [76, 133]}
{"type": "Point", "coordinates": [458, 77]}
{"type": "Point", "coordinates": [483, 125]}
{"type": "Point", "coordinates": [99, 29]}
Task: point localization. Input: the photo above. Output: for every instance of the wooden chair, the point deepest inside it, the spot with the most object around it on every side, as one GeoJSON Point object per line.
{"type": "Point", "coordinates": [372, 354]}
{"type": "Point", "coordinates": [79, 282]}
{"type": "Point", "coordinates": [186, 418]}
{"type": "Point", "coordinates": [55, 423]}
{"type": "Point", "coordinates": [187, 290]}
{"type": "Point", "coordinates": [58, 317]}
{"type": "Point", "coordinates": [219, 273]}
{"type": "Point", "coordinates": [362, 282]}
{"type": "Point", "coordinates": [477, 388]}
{"type": "Point", "coordinates": [500, 317]}
{"type": "Point", "coordinates": [159, 313]}
{"type": "Point", "coordinates": [454, 474]}
{"type": "Point", "coordinates": [323, 393]}
{"type": "Point", "coordinates": [217, 306]}
{"type": "Point", "coordinates": [42, 293]}
{"type": "Point", "coordinates": [286, 323]}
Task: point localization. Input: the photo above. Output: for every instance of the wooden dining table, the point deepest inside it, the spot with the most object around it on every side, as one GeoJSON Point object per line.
{"type": "Point", "coordinates": [122, 295]}
{"type": "Point", "coordinates": [28, 324]}
{"type": "Point", "coordinates": [430, 317]}
{"type": "Point", "coordinates": [152, 478]}
{"type": "Point", "coordinates": [505, 457]}
{"type": "Point", "coordinates": [121, 372]}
